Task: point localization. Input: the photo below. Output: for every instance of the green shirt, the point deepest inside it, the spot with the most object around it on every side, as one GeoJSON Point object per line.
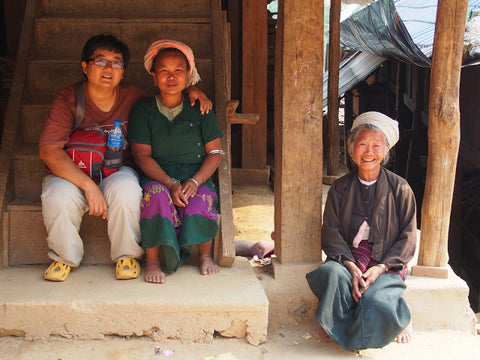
{"type": "Point", "coordinates": [178, 146]}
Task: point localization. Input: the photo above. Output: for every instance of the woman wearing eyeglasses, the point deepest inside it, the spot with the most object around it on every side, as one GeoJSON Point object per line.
{"type": "Point", "coordinates": [69, 193]}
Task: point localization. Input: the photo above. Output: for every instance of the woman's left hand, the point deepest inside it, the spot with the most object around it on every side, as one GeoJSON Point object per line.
{"type": "Point", "coordinates": [196, 94]}
{"type": "Point", "coordinates": [189, 189]}
{"type": "Point", "coordinates": [372, 274]}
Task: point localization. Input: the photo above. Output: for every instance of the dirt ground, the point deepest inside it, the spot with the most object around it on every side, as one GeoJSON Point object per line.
{"type": "Point", "coordinates": [253, 212]}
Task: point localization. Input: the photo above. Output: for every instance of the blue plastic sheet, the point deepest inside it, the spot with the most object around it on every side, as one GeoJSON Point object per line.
{"type": "Point", "coordinates": [402, 30]}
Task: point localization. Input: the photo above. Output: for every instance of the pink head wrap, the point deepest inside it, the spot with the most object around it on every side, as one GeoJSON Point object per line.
{"type": "Point", "coordinates": [193, 76]}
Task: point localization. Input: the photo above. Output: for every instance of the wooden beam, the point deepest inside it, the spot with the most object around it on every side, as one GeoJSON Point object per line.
{"type": "Point", "coordinates": [333, 145]}
{"type": "Point", "coordinates": [235, 118]}
{"type": "Point", "coordinates": [430, 271]}
{"type": "Point", "coordinates": [409, 103]}
{"type": "Point", "coordinates": [250, 176]}
{"type": "Point", "coordinates": [443, 131]}
{"type": "Point", "coordinates": [298, 131]}
{"type": "Point", "coordinates": [254, 84]}
{"type": "Point", "coordinates": [224, 248]}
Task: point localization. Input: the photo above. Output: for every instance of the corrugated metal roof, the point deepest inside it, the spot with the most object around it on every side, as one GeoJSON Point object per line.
{"type": "Point", "coordinates": [402, 29]}
{"type": "Point", "coordinates": [352, 71]}
{"type": "Point", "coordinates": [419, 19]}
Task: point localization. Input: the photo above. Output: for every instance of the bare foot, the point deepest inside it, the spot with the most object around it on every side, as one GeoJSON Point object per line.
{"type": "Point", "coordinates": [323, 335]}
{"type": "Point", "coordinates": [154, 274]}
{"type": "Point", "coordinates": [406, 335]}
{"type": "Point", "coordinates": [207, 265]}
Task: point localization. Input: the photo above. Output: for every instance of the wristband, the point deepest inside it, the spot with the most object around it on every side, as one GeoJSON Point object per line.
{"type": "Point", "coordinates": [383, 266]}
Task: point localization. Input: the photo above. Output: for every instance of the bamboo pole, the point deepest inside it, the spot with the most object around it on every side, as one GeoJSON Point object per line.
{"type": "Point", "coordinates": [333, 144]}
{"type": "Point", "coordinates": [443, 137]}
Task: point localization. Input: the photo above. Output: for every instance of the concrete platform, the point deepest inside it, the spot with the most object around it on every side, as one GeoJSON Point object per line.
{"type": "Point", "coordinates": [440, 304]}
{"type": "Point", "coordinates": [92, 304]}
{"type": "Point", "coordinates": [435, 304]}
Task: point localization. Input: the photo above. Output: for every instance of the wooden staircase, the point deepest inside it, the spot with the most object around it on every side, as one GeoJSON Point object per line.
{"type": "Point", "coordinates": [53, 35]}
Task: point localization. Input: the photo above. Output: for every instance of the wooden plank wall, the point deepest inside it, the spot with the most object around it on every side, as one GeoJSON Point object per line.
{"type": "Point", "coordinates": [254, 83]}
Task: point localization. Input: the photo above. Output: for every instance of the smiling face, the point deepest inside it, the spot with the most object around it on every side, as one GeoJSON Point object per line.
{"type": "Point", "coordinates": [368, 152]}
{"type": "Point", "coordinates": [171, 73]}
{"type": "Point", "coordinates": [103, 76]}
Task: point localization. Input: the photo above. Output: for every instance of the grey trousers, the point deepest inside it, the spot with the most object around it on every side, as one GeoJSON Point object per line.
{"type": "Point", "coordinates": [63, 207]}
{"type": "Point", "coordinates": [379, 316]}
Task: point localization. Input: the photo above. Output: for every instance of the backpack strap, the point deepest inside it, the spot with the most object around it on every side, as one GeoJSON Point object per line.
{"type": "Point", "coordinates": [80, 104]}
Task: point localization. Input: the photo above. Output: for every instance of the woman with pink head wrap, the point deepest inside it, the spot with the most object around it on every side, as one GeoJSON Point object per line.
{"type": "Point", "coordinates": [192, 73]}
{"type": "Point", "coordinates": [178, 148]}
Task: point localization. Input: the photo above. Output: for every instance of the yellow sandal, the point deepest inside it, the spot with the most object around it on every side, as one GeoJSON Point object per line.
{"type": "Point", "coordinates": [57, 271]}
{"type": "Point", "coordinates": [127, 269]}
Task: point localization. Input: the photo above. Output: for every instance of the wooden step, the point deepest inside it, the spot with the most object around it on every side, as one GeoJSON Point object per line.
{"type": "Point", "coordinates": [27, 237]}
{"type": "Point", "coordinates": [124, 9]}
{"type": "Point", "coordinates": [52, 59]}
{"type": "Point", "coordinates": [138, 34]}
{"type": "Point", "coordinates": [33, 120]}
{"type": "Point", "coordinates": [46, 78]}
{"type": "Point", "coordinates": [28, 172]}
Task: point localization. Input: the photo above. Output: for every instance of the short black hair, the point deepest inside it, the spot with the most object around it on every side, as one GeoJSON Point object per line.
{"type": "Point", "coordinates": [107, 42]}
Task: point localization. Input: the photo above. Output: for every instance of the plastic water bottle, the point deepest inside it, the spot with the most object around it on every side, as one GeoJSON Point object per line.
{"type": "Point", "coordinates": [115, 137]}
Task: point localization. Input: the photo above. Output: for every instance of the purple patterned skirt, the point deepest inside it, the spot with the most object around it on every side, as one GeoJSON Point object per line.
{"type": "Point", "coordinates": [174, 228]}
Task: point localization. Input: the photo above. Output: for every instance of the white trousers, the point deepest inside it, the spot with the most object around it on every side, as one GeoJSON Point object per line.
{"type": "Point", "coordinates": [64, 204]}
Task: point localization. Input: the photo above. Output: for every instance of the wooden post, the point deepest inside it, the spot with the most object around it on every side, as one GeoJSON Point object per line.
{"type": "Point", "coordinates": [224, 250]}
{"type": "Point", "coordinates": [298, 131]}
{"type": "Point", "coordinates": [254, 84]}
{"type": "Point", "coordinates": [333, 145]}
{"type": "Point", "coordinates": [443, 137]}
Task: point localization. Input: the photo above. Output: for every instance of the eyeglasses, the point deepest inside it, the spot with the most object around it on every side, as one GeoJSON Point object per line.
{"type": "Point", "coordinates": [104, 62]}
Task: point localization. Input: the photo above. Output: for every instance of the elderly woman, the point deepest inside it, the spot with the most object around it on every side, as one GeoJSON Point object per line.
{"type": "Point", "coordinates": [369, 235]}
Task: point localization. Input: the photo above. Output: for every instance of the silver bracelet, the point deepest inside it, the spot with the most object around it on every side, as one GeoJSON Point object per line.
{"type": "Point", "coordinates": [383, 266]}
{"type": "Point", "coordinates": [216, 151]}
{"type": "Point", "coordinates": [174, 181]}
{"type": "Point", "coordinates": [195, 181]}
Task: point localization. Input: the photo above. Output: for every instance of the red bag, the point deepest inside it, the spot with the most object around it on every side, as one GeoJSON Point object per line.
{"type": "Point", "coordinates": [87, 149]}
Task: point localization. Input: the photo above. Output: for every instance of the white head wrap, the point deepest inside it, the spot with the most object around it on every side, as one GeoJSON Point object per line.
{"type": "Point", "coordinates": [386, 124]}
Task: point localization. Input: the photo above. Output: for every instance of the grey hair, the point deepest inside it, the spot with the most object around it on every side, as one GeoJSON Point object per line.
{"type": "Point", "coordinates": [353, 136]}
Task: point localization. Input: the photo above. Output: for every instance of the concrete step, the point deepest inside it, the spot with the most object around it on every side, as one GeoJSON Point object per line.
{"type": "Point", "coordinates": [91, 304]}
{"type": "Point", "coordinates": [435, 304]}
{"type": "Point", "coordinates": [137, 33]}
{"type": "Point", "coordinates": [440, 303]}
{"type": "Point", "coordinates": [116, 8]}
